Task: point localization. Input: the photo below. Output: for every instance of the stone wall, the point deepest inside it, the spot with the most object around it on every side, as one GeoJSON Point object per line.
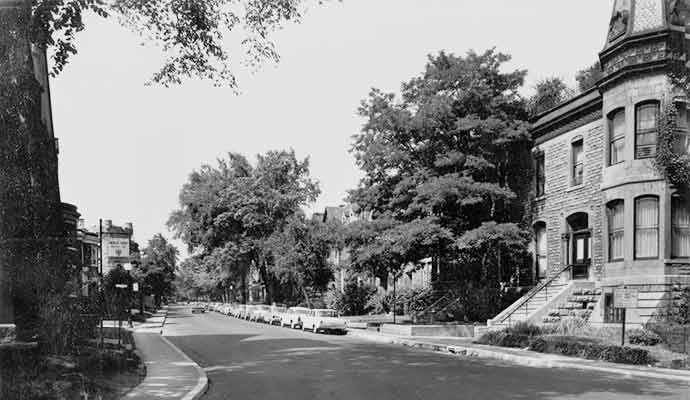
{"type": "Point", "coordinates": [562, 199]}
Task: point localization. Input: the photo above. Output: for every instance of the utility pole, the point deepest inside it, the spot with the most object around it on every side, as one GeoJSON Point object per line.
{"type": "Point", "coordinates": [100, 274]}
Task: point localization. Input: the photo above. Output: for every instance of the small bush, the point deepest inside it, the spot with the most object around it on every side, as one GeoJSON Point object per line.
{"type": "Point", "coordinates": [538, 345]}
{"type": "Point", "coordinates": [504, 339]}
{"type": "Point", "coordinates": [524, 328]}
{"type": "Point", "coordinates": [644, 338]}
{"type": "Point", "coordinates": [591, 350]}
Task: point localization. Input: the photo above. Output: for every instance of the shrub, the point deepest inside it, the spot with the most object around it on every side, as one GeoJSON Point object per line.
{"type": "Point", "coordinates": [353, 301]}
{"type": "Point", "coordinates": [504, 339]}
{"type": "Point", "coordinates": [591, 350]}
{"type": "Point", "coordinates": [525, 328]}
{"type": "Point", "coordinates": [644, 337]}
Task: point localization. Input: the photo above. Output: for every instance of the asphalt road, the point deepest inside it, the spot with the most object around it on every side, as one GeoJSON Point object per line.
{"type": "Point", "coordinates": [248, 361]}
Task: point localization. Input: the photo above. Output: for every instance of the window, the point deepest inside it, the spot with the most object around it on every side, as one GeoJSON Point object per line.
{"type": "Point", "coordinates": [540, 175]}
{"type": "Point", "coordinates": [681, 145]}
{"type": "Point", "coordinates": [617, 137]}
{"type": "Point", "coordinates": [578, 163]}
{"type": "Point", "coordinates": [646, 130]}
{"type": "Point", "coordinates": [541, 249]}
{"type": "Point", "coordinates": [680, 227]}
{"type": "Point", "coordinates": [647, 227]}
{"type": "Point", "coordinates": [616, 230]}
{"type": "Point", "coordinates": [611, 314]}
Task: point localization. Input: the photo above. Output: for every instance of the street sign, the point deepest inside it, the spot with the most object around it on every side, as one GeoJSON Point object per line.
{"type": "Point", "coordinates": [121, 286]}
{"type": "Point", "coordinates": [625, 298]}
{"type": "Point", "coordinates": [135, 287]}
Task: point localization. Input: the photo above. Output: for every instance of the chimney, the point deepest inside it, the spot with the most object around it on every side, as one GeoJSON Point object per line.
{"type": "Point", "coordinates": [129, 227]}
{"type": "Point", "coordinates": [107, 224]}
{"type": "Point", "coordinates": [82, 224]}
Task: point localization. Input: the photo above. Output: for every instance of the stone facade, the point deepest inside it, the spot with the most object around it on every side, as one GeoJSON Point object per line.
{"type": "Point", "coordinates": [582, 242]}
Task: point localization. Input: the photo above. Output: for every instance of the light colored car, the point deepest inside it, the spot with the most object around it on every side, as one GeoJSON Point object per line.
{"type": "Point", "coordinates": [246, 313]}
{"type": "Point", "coordinates": [293, 317]}
{"type": "Point", "coordinates": [260, 313]}
{"type": "Point", "coordinates": [323, 320]}
{"type": "Point", "coordinates": [276, 315]}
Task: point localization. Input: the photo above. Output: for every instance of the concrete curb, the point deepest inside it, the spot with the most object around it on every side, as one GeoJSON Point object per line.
{"type": "Point", "coordinates": [202, 383]}
{"type": "Point", "coordinates": [526, 360]}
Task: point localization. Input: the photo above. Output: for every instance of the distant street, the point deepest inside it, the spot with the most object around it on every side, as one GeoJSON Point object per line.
{"type": "Point", "coordinates": [248, 361]}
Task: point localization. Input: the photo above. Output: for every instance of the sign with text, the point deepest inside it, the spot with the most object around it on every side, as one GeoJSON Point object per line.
{"type": "Point", "coordinates": [625, 298]}
{"type": "Point", "coordinates": [115, 250]}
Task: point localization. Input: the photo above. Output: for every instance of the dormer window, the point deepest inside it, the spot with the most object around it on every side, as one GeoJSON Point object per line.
{"type": "Point", "coordinates": [646, 129]}
{"type": "Point", "coordinates": [617, 137]}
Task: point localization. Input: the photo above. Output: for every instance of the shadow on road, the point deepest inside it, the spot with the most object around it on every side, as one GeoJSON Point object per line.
{"type": "Point", "coordinates": [262, 367]}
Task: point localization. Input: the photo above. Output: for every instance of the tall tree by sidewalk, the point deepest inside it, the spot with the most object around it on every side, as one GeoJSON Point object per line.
{"type": "Point", "coordinates": [235, 208]}
{"type": "Point", "coordinates": [451, 154]}
{"type": "Point", "coordinates": [157, 269]}
{"type": "Point", "coordinates": [193, 35]}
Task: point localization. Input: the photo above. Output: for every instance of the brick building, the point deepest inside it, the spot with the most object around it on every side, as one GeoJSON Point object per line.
{"type": "Point", "coordinates": [604, 217]}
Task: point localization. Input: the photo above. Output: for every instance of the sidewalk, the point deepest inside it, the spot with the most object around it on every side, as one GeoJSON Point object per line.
{"type": "Point", "coordinates": [170, 374]}
{"type": "Point", "coordinates": [465, 347]}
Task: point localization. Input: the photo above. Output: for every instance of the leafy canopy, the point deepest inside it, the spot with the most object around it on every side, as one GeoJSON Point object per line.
{"type": "Point", "coordinates": [193, 34]}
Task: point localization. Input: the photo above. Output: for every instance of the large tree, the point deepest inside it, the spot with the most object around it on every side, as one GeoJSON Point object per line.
{"type": "Point", "coordinates": [193, 34]}
{"type": "Point", "coordinates": [156, 272]}
{"type": "Point", "coordinates": [450, 154]}
{"type": "Point", "coordinates": [229, 213]}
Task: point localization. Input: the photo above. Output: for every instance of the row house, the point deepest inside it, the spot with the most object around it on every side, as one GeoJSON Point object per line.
{"type": "Point", "coordinates": [604, 216]}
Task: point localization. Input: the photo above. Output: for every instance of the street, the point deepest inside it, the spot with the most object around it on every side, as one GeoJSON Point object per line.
{"type": "Point", "coordinates": [245, 360]}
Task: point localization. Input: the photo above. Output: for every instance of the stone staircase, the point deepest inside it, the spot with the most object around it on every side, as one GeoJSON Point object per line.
{"type": "Point", "coordinates": [530, 306]}
{"type": "Point", "coordinates": [578, 304]}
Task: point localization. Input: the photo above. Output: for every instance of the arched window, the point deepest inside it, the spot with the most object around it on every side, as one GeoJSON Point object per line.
{"type": "Point", "coordinates": [646, 227]}
{"type": "Point", "coordinates": [680, 227]}
{"type": "Point", "coordinates": [616, 224]}
{"type": "Point", "coordinates": [646, 129]}
{"type": "Point", "coordinates": [617, 136]}
{"type": "Point", "coordinates": [541, 250]}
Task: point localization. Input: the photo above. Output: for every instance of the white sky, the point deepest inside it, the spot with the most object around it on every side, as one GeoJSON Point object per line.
{"type": "Point", "coordinates": [126, 149]}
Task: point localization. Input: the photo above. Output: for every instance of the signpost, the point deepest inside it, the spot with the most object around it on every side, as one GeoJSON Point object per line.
{"type": "Point", "coordinates": [624, 297]}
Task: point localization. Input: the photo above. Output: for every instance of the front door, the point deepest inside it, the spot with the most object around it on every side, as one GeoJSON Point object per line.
{"type": "Point", "coordinates": [581, 255]}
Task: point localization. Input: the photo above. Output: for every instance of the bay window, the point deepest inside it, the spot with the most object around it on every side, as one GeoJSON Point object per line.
{"type": "Point", "coordinates": [646, 129]}
{"type": "Point", "coordinates": [680, 227]}
{"type": "Point", "coordinates": [616, 224]}
{"type": "Point", "coordinates": [647, 227]}
{"type": "Point", "coordinates": [617, 137]}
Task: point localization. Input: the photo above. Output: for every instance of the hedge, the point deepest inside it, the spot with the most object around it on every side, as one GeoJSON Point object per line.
{"type": "Point", "coordinates": [569, 346]}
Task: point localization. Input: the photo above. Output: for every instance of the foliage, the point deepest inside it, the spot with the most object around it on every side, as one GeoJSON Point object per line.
{"type": "Point", "coordinates": [353, 300]}
{"type": "Point", "coordinates": [567, 346]}
{"type": "Point", "coordinates": [300, 254]}
{"type": "Point", "coordinates": [117, 299]}
{"type": "Point", "coordinates": [156, 272]}
{"type": "Point", "coordinates": [237, 217]}
{"type": "Point", "coordinates": [191, 34]}
{"type": "Point", "coordinates": [643, 337]}
{"type": "Point", "coordinates": [451, 153]}
{"type": "Point", "coordinates": [673, 164]}
{"type": "Point", "coordinates": [549, 93]}
{"type": "Point", "coordinates": [589, 77]}
{"type": "Point", "coordinates": [577, 347]}
{"type": "Point", "coordinates": [524, 328]}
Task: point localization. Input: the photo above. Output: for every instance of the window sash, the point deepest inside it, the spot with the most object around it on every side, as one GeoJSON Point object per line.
{"type": "Point", "coordinates": [617, 150]}
{"type": "Point", "coordinates": [540, 176]}
{"type": "Point", "coordinates": [578, 163]}
{"type": "Point", "coordinates": [647, 228]}
{"type": "Point", "coordinates": [646, 130]}
{"type": "Point", "coordinates": [616, 224]}
{"type": "Point", "coordinates": [680, 228]}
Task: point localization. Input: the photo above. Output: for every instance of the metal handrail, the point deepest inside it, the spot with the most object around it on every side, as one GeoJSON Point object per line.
{"type": "Point", "coordinates": [505, 314]}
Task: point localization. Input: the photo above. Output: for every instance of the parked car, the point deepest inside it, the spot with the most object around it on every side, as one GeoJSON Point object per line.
{"type": "Point", "coordinates": [198, 309]}
{"type": "Point", "coordinates": [260, 313]}
{"type": "Point", "coordinates": [323, 320]}
{"type": "Point", "coordinates": [246, 312]}
{"type": "Point", "coordinates": [293, 317]}
{"type": "Point", "coordinates": [276, 314]}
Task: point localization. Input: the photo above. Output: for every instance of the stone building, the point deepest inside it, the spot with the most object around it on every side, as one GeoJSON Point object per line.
{"type": "Point", "coordinates": [604, 216]}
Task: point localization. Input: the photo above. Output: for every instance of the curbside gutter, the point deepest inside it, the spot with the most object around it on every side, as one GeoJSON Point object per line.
{"type": "Point", "coordinates": [202, 383]}
{"type": "Point", "coordinates": [546, 361]}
